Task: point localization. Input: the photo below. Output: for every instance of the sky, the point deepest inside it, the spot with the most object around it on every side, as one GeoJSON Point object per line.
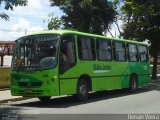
{"type": "Point", "coordinates": [26, 19]}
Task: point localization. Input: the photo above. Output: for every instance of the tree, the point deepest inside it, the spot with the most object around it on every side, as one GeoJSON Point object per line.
{"type": "Point", "coordinates": [142, 22]}
{"type": "Point", "coordinates": [93, 16]}
{"type": "Point", "coordinates": [9, 4]}
{"type": "Point", "coordinates": [54, 22]}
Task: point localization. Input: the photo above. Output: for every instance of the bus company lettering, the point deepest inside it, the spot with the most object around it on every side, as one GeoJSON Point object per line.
{"type": "Point", "coordinates": [101, 68]}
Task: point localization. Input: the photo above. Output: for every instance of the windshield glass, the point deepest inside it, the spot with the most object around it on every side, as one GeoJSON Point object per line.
{"type": "Point", "coordinates": [36, 52]}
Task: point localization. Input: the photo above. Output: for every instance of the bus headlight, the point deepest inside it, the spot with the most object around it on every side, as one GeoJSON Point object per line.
{"type": "Point", "coordinates": [13, 82]}
{"type": "Point", "coordinates": [47, 82]}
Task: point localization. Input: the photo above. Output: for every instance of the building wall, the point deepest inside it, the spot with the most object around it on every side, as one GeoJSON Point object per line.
{"type": "Point", "coordinates": [7, 61]}
{"type": "Point", "coordinates": [4, 77]}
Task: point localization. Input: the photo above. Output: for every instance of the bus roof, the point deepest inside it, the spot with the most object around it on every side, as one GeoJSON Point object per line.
{"type": "Point", "coordinates": [62, 32]}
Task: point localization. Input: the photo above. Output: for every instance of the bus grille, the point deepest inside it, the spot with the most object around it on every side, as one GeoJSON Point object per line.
{"type": "Point", "coordinates": [36, 83]}
{"type": "Point", "coordinates": [29, 84]}
{"type": "Point", "coordinates": [23, 84]}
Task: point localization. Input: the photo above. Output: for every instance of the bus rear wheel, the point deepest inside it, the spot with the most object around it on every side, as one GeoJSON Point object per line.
{"type": "Point", "coordinates": [133, 85]}
{"type": "Point", "coordinates": [44, 99]}
{"type": "Point", "coordinates": [82, 90]}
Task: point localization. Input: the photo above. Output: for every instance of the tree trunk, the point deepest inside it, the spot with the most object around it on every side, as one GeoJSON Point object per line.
{"type": "Point", "coordinates": [155, 56]}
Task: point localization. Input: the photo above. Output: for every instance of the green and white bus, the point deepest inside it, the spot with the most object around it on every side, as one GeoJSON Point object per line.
{"type": "Point", "coordinates": [64, 62]}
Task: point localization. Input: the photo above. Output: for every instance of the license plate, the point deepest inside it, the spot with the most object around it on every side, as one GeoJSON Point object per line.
{"type": "Point", "coordinates": [28, 91]}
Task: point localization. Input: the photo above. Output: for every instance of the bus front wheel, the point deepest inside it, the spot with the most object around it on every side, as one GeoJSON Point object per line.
{"type": "Point", "coordinates": [82, 90]}
{"type": "Point", "coordinates": [133, 85]}
{"type": "Point", "coordinates": [44, 99]}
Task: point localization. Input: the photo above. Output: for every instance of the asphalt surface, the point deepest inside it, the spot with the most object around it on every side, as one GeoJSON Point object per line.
{"type": "Point", "coordinates": [106, 105]}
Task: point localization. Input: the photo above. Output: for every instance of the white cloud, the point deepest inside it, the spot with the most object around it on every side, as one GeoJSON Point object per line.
{"type": "Point", "coordinates": [21, 24]}
{"type": "Point", "coordinates": [114, 30]}
{"type": "Point", "coordinates": [20, 28]}
{"type": "Point", "coordinates": [36, 8]}
{"type": "Point", "coordinates": [33, 7]}
{"type": "Point", "coordinates": [35, 4]}
{"type": "Point", "coordinates": [35, 28]}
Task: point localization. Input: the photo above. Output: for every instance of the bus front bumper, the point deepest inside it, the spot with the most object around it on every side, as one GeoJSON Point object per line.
{"type": "Point", "coordinates": [32, 92]}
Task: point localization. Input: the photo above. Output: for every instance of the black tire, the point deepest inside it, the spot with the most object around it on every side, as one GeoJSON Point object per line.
{"type": "Point", "coordinates": [44, 99]}
{"type": "Point", "coordinates": [82, 90]}
{"type": "Point", "coordinates": [133, 84]}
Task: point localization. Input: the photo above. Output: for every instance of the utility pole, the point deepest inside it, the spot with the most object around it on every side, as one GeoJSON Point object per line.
{"type": "Point", "coordinates": [25, 31]}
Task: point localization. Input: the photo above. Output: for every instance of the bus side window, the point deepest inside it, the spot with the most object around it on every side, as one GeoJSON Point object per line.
{"type": "Point", "coordinates": [119, 51]}
{"type": "Point", "coordinates": [143, 54]}
{"type": "Point", "coordinates": [67, 53]}
{"type": "Point", "coordinates": [104, 50]}
{"type": "Point", "coordinates": [127, 52]}
{"type": "Point", "coordinates": [86, 48]}
{"type": "Point", "coordinates": [132, 53]}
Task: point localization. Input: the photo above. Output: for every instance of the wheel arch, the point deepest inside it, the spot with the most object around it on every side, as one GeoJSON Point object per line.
{"type": "Point", "coordinates": [135, 74]}
{"type": "Point", "coordinates": [133, 86]}
{"type": "Point", "coordinates": [88, 79]}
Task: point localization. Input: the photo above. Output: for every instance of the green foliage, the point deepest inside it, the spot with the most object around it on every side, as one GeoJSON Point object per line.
{"type": "Point", "coordinates": [9, 4]}
{"type": "Point", "coordinates": [4, 16]}
{"type": "Point", "coordinates": [92, 16]}
{"type": "Point", "coordinates": [142, 19]}
{"type": "Point", "coordinates": [54, 22]}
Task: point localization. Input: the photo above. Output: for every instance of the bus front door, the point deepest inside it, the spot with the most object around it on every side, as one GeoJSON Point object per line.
{"type": "Point", "coordinates": [67, 66]}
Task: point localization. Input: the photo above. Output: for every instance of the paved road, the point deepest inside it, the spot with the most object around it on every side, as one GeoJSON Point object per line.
{"type": "Point", "coordinates": [145, 101]}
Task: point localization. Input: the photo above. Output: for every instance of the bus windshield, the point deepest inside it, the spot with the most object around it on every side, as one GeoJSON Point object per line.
{"type": "Point", "coordinates": [36, 52]}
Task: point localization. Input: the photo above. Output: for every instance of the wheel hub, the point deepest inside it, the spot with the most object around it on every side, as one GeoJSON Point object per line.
{"type": "Point", "coordinates": [83, 90]}
{"type": "Point", "coordinates": [134, 84]}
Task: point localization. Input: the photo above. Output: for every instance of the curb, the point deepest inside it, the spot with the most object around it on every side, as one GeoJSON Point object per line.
{"type": "Point", "coordinates": [155, 81]}
{"type": "Point", "coordinates": [2, 89]}
{"type": "Point", "coordinates": [15, 99]}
